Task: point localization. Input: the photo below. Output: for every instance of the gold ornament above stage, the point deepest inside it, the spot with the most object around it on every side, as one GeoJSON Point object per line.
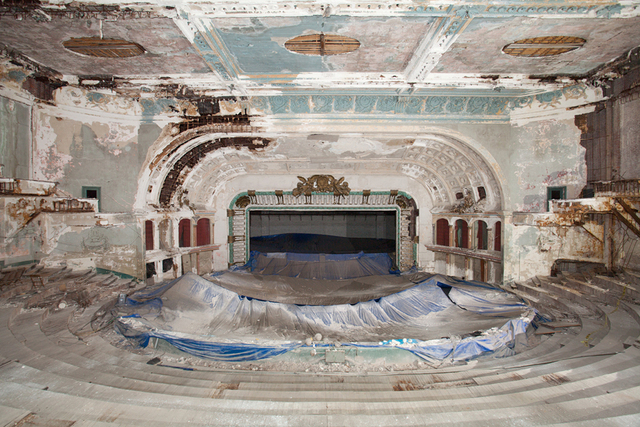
{"type": "Point", "coordinates": [321, 184]}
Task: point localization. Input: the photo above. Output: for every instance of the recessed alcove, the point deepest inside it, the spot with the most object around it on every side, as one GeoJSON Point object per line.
{"type": "Point", "coordinates": [323, 231]}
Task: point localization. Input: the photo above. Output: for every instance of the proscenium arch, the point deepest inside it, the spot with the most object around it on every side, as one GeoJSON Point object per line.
{"type": "Point", "coordinates": [168, 150]}
{"type": "Point", "coordinates": [401, 203]}
{"type": "Point", "coordinates": [442, 162]}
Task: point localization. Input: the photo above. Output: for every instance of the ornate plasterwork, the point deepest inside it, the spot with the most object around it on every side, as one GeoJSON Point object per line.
{"type": "Point", "coordinates": [448, 167]}
{"type": "Point", "coordinates": [321, 184]}
{"type": "Point", "coordinates": [465, 108]}
{"type": "Point", "coordinates": [477, 107]}
{"type": "Point", "coordinates": [444, 167]}
{"type": "Point", "coordinates": [384, 8]}
{"type": "Point", "coordinates": [451, 21]}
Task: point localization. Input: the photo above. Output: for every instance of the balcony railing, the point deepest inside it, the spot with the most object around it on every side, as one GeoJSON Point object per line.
{"type": "Point", "coordinates": [628, 188]}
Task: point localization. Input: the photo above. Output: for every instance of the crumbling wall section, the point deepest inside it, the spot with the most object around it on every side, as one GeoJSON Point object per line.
{"type": "Point", "coordinates": [62, 231]}
{"type": "Point", "coordinates": [533, 157]}
{"type": "Point", "coordinates": [545, 154]}
{"type": "Point", "coordinates": [79, 150]}
{"type": "Point", "coordinates": [115, 246]}
{"type": "Point", "coordinates": [15, 138]}
{"type": "Point", "coordinates": [531, 248]}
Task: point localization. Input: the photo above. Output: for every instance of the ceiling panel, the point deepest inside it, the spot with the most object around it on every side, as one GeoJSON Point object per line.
{"type": "Point", "coordinates": [167, 50]}
{"type": "Point", "coordinates": [386, 44]}
{"type": "Point", "coordinates": [479, 48]}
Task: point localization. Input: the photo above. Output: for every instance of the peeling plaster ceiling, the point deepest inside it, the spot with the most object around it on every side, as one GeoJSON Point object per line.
{"type": "Point", "coordinates": [236, 48]}
{"type": "Point", "coordinates": [606, 40]}
{"type": "Point", "coordinates": [168, 51]}
{"type": "Point", "coordinates": [386, 44]}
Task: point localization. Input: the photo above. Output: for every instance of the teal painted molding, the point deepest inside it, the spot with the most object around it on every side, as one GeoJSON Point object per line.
{"type": "Point", "coordinates": [225, 64]}
{"type": "Point", "coordinates": [406, 105]}
{"type": "Point", "coordinates": [212, 57]}
{"type": "Point", "coordinates": [532, 8]}
{"type": "Point", "coordinates": [467, 107]}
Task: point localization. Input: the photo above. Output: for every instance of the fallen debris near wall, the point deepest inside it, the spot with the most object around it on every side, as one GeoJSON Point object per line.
{"type": "Point", "coordinates": [37, 286]}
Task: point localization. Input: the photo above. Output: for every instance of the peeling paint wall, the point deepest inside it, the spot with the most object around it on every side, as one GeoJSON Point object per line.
{"type": "Point", "coordinates": [15, 138]}
{"type": "Point", "coordinates": [547, 154]}
{"type": "Point", "coordinates": [532, 157]}
{"type": "Point", "coordinates": [116, 247]}
{"type": "Point", "coordinates": [535, 156]}
{"type": "Point", "coordinates": [532, 250]}
{"type": "Point", "coordinates": [630, 137]}
{"type": "Point", "coordinates": [76, 151]}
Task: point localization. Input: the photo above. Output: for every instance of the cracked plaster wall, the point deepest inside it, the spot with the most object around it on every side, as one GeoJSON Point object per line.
{"type": "Point", "coordinates": [630, 138]}
{"type": "Point", "coordinates": [76, 151]}
{"type": "Point", "coordinates": [532, 157]}
{"type": "Point", "coordinates": [15, 138]}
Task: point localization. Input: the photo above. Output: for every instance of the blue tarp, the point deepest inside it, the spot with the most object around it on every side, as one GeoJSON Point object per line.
{"type": "Point", "coordinates": [202, 318]}
{"type": "Point", "coordinates": [319, 266]}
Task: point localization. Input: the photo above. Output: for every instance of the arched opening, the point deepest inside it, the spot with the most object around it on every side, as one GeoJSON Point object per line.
{"type": "Point", "coordinates": [482, 235]}
{"type": "Point", "coordinates": [203, 232]}
{"type": "Point", "coordinates": [442, 232]}
{"type": "Point", "coordinates": [497, 240]}
{"type": "Point", "coordinates": [184, 233]}
{"type": "Point", "coordinates": [462, 234]}
{"type": "Point", "coordinates": [148, 235]}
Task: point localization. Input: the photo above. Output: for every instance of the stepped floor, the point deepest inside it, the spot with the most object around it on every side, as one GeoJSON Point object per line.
{"type": "Point", "coordinates": [585, 370]}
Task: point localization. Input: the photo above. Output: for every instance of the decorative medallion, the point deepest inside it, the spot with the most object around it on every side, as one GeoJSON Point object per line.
{"type": "Point", "coordinates": [322, 44]}
{"type": "Point", "coordinates": [103, 48]}
{"type": "Point", "coordinates": [321, 184]}
{"type": "Point", "coordinates": [543, 46]}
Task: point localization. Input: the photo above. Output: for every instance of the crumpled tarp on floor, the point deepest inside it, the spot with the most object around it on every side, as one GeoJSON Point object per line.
{"type": "Point", "coordinates": [435, 317]}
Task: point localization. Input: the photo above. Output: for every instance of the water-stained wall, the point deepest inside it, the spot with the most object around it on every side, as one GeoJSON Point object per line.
{"type": "Point", "coordinates": [15, 138]}
{"type": "Point", "coordinates": [97, 140]}
{"type": "Point", "coordinates": [77, 150]}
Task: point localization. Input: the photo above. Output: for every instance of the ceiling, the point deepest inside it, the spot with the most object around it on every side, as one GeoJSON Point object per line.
{"type": "Point", "coordinates": [408, 48]}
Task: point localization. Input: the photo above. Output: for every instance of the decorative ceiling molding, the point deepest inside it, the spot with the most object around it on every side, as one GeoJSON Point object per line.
{"type": "Point", "coordinates": [455, 108]}
{"type": "Point", "coordinates": [451, 21]}
{"type": "Point", "coordinates": [105, 9]}
{"type": "Point", "coordinates": [552, 8]}
{"type": "Point", "coordinates": [214, 52]}
{"type": "Point", "coordinates": [472, 107]}
{"type": "Point", "coordinates": [434, 46]}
